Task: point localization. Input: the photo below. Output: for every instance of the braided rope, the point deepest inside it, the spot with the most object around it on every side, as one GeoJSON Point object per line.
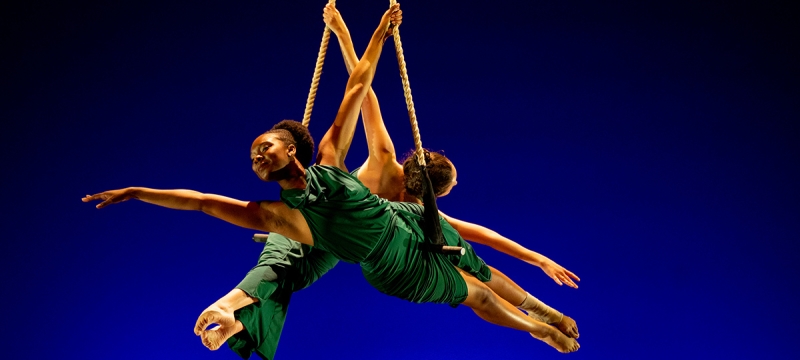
{"type": "Point", "coordinates": [412, 113]}
{"type": "Point", "coordinates": [312, 93]}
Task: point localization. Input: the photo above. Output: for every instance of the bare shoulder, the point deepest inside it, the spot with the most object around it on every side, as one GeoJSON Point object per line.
{"type": "Point", "coordinates": [277, 212]}
{"type": "Point", "coordinates": [286, 221]}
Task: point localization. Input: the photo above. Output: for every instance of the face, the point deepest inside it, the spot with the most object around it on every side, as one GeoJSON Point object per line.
{"type": "Point", "coordinates": [452, 183]}
{"type": "Point", "coordinates": [269, 154]}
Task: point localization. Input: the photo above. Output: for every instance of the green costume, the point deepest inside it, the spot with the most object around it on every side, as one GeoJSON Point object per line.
{"type": "Point", "coordinates": [284, 267]}
{"type": "Point", "coordinates": [356, 226]}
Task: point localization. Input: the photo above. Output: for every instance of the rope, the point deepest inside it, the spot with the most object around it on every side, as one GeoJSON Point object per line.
{"type": "Point", "coordinates": [312, 93]}
{"type": "Point", "coordinates": [412, 113]}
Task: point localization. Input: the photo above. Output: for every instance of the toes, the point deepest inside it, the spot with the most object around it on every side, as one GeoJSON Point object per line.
{"type": "Point", "coordinates": [199, 326]}
{"type": "Point", "coordinates": [210, 339]}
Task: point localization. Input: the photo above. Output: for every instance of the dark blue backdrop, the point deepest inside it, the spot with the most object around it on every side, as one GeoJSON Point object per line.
{"type": "Point", "coordinates": [650, 148]}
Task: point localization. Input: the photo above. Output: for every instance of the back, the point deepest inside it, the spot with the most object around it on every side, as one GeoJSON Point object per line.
{"type": "Point", "coordinates": [344, 217]}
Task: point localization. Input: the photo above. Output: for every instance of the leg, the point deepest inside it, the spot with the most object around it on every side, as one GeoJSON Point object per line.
{"type": "Point", "coordinates": [507, 289]}
{"type": "Point", "coordinates": [488, 306]}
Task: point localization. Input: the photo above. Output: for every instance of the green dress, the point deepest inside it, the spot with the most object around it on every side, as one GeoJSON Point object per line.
{"type": "Point", "coordinates": [352, 224]}
{"type": "Point", "coordinates": [284, 266]}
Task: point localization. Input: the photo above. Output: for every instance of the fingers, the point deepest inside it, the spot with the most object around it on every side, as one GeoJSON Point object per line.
{"type": "Point", "coordinates": [100, 196]}
{"type": "Point", "coordinates": [88, 198]}
{"type": "Point", "coordinates": [105, 203]}
{"type": "Point", "coordinates": [572, 275]}
{"type": "Point", "coordinates": [555, 278]}
{"type": "Point", "coordinates": [561, 278]}
{"type": "Point", "coordinates": [396, 14]}
{"type": "Point", "coordinates": [566, 279]}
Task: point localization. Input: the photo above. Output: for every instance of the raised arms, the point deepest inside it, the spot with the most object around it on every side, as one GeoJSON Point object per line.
{"type": "Point", "coordinates": [381, 148]}
{"type": "Point", "coordinates": [334, 145]}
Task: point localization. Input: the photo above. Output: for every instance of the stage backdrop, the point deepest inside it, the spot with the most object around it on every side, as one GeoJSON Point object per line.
{"type": "Point", "coordinates": [650, 148]}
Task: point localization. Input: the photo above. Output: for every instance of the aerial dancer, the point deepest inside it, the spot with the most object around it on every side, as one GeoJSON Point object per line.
{"type": "Point", "coordinates": [260, 301]}
{"type": "Point", "coordinates": [261, 323]}
{"type": "Point", "coordinates": [387, 178]}
{"type": "Point", "coordinates": [326, 207]}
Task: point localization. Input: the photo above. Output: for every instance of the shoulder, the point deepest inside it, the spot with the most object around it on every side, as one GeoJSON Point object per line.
{"type": "Point", "coordinates": [326, 171]}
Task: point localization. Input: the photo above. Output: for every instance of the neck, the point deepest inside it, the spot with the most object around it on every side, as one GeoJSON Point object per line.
{"type": "Point", "coordinates": [406, 197]}
{"type": "Point", "coordinates": [292, 176]}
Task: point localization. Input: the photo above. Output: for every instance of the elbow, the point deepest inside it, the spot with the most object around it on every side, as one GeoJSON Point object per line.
{"type": "Point", "coordinates": [202, 202]}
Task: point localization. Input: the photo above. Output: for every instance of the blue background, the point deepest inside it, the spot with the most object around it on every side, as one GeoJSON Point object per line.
{"type": "Point", "coordinates": [650, 148]}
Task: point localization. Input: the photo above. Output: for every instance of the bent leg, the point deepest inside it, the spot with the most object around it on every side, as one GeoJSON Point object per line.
{"type": "Point", "coordinates": [262, 324]}
{"type": "Point", "coordinates": [488, 306]}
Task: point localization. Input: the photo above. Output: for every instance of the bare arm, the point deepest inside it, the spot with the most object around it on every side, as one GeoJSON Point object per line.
{"type": "Point", "coordinates": [334, 145]}
{"type": "Point", "coordinates": [381, 148]}
{"type": "Point", "coordinates": [250, 215]}
{"type": "Point", "coordinates": [490, 238]}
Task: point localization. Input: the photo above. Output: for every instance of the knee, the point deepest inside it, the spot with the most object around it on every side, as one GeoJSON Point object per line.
{"type": "Point", "coordinates": [274, 273]}
{"type": "Point", "coordinates": [482, 297]}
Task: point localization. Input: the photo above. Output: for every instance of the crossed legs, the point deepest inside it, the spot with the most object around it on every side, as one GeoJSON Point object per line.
{"type": "Point", "coordinates": [507, 289]}
{"type": "Point", "coordinates": [490, 307]}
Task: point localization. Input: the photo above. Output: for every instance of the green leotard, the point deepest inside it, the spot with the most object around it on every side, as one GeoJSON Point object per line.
{"type": "Point", "coordinates": [263, 321]}
{"type": "Point", "coordinates": [356, 226]}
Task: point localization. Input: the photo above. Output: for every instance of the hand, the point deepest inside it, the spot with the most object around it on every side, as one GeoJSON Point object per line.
{"type": "Point", "coordinates": [558, 273]}
{"type": "Point", "coordinates": [110, 197]}
{"type": "Point", "coordinates": [334, 20]}
{"type": "Point", "coordinates": [391, 19]}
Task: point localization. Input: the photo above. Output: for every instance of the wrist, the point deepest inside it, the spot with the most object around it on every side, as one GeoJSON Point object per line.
{"type": "Point", "coordinates": [536, 259]}
{"type": "Point", "coordinates": [134, 192]}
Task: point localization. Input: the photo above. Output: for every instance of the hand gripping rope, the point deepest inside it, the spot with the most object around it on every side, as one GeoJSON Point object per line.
{"type": "Point", "coordinates": [312, 95]}
{"type": "Point", "coordinates": [432, 228]}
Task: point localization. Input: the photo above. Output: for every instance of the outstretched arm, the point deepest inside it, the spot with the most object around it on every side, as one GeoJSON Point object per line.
{"type": "Point", "coordinates": [258, 216]}
{"type": "Point", "coordinates": [334, 145]}
{"type": "Point", "coordinates": [381, 148]}
{"type": "Point", "coordinates": [488, 237]}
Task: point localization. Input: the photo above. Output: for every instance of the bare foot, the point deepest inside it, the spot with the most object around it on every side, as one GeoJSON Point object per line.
{"type": "Point", "coordinates": [215, 337]}
{"type": "Point", "coordinates": [567, 325]}
{"type": "Point", "coordinates": [559, 341]}
{"type": "Point", "coordinates": [213, 315]}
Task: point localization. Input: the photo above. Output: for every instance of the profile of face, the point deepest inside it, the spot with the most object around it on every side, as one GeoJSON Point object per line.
{"type": "Point", "coordinates": [269, 154]}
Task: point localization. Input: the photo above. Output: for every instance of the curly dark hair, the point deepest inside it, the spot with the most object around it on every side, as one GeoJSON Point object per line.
{"type": "Point", "coordinates": [439, 168]}
{"type": "Point", "coordinates": [294, 133]}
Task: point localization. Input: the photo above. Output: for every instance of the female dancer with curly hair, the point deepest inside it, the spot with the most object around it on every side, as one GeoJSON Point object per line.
{"type": "Point", "coordinates": [326, 207]}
